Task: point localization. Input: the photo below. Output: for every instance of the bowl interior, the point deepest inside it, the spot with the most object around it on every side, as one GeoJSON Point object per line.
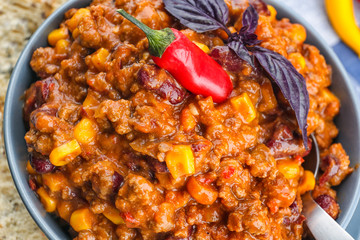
{"type": "Point", "coordinates": [23, 76]}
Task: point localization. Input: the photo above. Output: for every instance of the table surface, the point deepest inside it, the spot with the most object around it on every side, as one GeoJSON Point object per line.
{"type": "Point", "coordinates": [19, 19]}
{"type": "Point", "coordinates": [25, 16]}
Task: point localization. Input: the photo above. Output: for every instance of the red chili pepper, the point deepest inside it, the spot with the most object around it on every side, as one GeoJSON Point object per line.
{"type": "Point", "coordinates": [189, 65]}
{"type": "Point", "coordinates": [227, 173]}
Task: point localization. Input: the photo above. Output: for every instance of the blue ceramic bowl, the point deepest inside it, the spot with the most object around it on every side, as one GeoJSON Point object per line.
{"type": "Point", "coordinates": [348, 120]}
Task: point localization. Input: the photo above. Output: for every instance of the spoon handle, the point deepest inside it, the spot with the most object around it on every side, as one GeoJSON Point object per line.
{"type": "Point", "coordinates": [321, 225]}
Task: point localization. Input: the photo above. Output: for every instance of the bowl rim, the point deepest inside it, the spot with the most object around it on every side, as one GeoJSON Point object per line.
{"type": "Point", "coordinates": [14, 170]}
{"type": "Point", "coordinates": [325, 48]}
{"type": "Point", "coordinates": [16, 174]}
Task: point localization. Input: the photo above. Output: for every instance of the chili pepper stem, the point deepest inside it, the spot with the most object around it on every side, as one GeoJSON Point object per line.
{"type": "Point", "coordinates": [159, 40]}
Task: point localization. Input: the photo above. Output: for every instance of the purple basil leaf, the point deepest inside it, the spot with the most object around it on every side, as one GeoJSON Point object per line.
{"type": "Point", "coordinates": [201, 16]}
{"type": "Point", "coordinates": [291, 83]}
{"type": "Point", "coordinates": [239, 48]}
{"type": "Point", "coordinates": [246, 34]}
{"type": "Point", "coordinates": [250, 20]}
{"type": "Point", "coordinates": [250, 39]}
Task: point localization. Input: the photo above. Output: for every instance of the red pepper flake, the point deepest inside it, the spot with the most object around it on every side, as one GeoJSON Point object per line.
{"type": "Point", "coordinates": [228, 172]}
{"type": "Point", "coordinates": [32, 184]}
{"type": "Point", "coordinates": [129, 218]}
{"type": "Point", "coordinates": [299, 159]}
{"type": "Point", "coordinates": [205, 179]}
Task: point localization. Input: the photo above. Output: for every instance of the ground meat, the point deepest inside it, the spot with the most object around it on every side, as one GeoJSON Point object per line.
{"type": "Point", "coordinates": [132, 127]}
{"type": "Point", "coordinates": [45, 62]}
{"type": "Point", "coordinates": [117, 112]}
{"type": "Point", "coordinates": [136, 198]}
{"type": "Point", "coordinates": [335, 164]}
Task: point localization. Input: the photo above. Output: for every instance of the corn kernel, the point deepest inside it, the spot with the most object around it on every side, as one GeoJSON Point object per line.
{"type": "Point", "coordinates": [82, 219]}
{"type": "Point", "coordinates": [289, 168]}
{"type": "Point", "coordinates": [62, 46]}
{"type": "Point", "coordinates": [307, 182]}
{"type": "Point", "coordinates": [75, 33]}
{"type": "Point", "coordinates": [85, 131]}
{"type": "Point", "coordinates": [29, 168]}
{"type": "Point", "coordinates": [268, 101]}
{"type": "Point", "coordinates": [180, 161]}
{"type": "Point", "coordinates": [64, 209]}
{"type": "Point", "coordinates": [272, 11]}
{"type": "Point", "coordinates": [48, 202]}
{"type": "Point", "coordinates": [54, 181]}
{"type": "Point", "coordinates": [232, 29]}
{"type": "Point", "coordinates": [90, 100]}
{"type": "Point", "coordinates": [113, 215]}
{"type": "Point", "coordinates": [73, 22]}
{"type": "Point", "coordinates": [202, 46]}
{"type": "Point", "coordinates": [56, 35]}
{"type": "Point", "coordinates": [297, 60]}
{"type": "Point", "coordinates": [65, 153]}
{"type": "Point", "coordinates": [327, 95]}
{"type": "Point", "coordinates": [297, 33]}
{"type": "Point", "coordinates": [222, 34]}
{"type": "Point", "coordinates": [99, 58]}
{"type": "Point", "coordinates": [244, 106]}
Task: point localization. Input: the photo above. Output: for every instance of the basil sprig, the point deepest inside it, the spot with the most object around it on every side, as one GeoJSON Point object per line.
{"type": "Point", "coordinates": [209, 15]}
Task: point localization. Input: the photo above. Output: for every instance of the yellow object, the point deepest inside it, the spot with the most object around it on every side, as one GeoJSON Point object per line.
{"type": "Point", "coordinates": [99, 58]}
{"type": "Point", "coordinates": [85, 131]}
{"type": "Point", "coordinates": [75, 33]}
{"type": "Point", "coordinates": [202, 46]}
{"type": "Point", "coordinates": [327, 95]}
{"type": "Point", "coordinates": [54, 181]}
{"type": "Point", "coordinates": [297, 33]}
{"type": "Point", "coordinates": [268, 101]}
{"type": "Point", "coordinates": [272, 11]}
{"type": "Point", "coordinates": [62, 46]}
{"type": "Point", "coordinates": [289, 168]}
{"type": "Point", "coordinates": [56, 35]}
{"type": "Point", "coordinates": [48, 202]}
{"type": "Point", "coordinates": [180, 161]}
{"type": "Point", "coordinates": [342, 17]}
{"type": "Point", "coordinates": [29, 168]}
{"type": "Point", "coordinates": [73, 22]}
{"type": "Point", "coordinates": [244, 106]}
{"type": "Point", "coordinates": [307, 183]}
{"type": "Point", "coordinates": [65, 153]}
{"type": "Point", "coordinates": [82, 219]}
{"type": "Point", "coordinates": [297, 60]}
{"type": "Point", "coordinates": [113, 215]}
{"type": "Point", "coordinates": [64, 209]}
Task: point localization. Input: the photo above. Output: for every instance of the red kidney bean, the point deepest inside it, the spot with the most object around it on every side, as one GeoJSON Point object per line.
{"type": "Point", "coordinates": [261, 7]}
{"type": "Point", "coordinates": [227, 59]}
{"type": "Point", "coordinates": [330, 165]}
{"type": "Point", "coordinates": [156, 165]}
{"type": "Point", "coordinates": [162, 83]}
{"type": "Point", "coordinates": [41, 163]}
{"type": "Point", "coordinates": [118, 181]}
{"type": "Point", "coordinates": [329, 204]}
{"type": "Point", "coordinates": [284, 144]}
{"type": "Point", "coordinates": [37, 95]}
{"type": "Point", "coordinates": [43, 110]}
